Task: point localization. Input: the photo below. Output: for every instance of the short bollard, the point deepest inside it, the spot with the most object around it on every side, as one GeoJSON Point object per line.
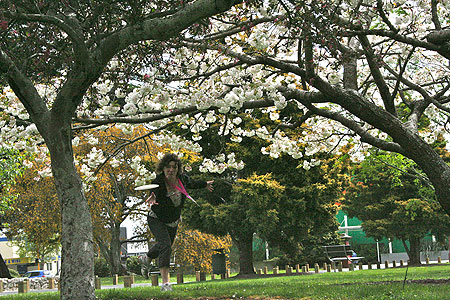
{"type": "Point", "coordinates": [378, 265]}
{"type": "Point", "coordinates": [340, 266]}
{"type": "Point", "coordinates": [297, 268]}
{"type": "Point", "coordinates": [259, 271]}
{"type": "Point", "coordinates": [223, 276]}
{"type": "Point", "coordinates": [386, 264]}
{"type": "Point", "coordinates": [316, 268]}
{"type": "Point", "coordinates": [333, 266]}
{"type": "Point", "coordinates": [266, 270]}
{"type": "Point", "coordinates": [360, 265]}
{"type": "Point", "coordinates": [325, 266]}
{"type": "Point", "coordinates": [132, 279]}
{"type": "Point", "coordinates": [213, 276]}
{"type": "Point", "coordinates": [307, 268]}
{"type": "Point", "coordinates": [98, 284]}
{"type": "Point", "coordinates": [180, 278]}
{"type": "Point", "coordinates": [428, 260]}
{"type": "Point", "coordinates": [23, 286]}
{"type": "Point", "coordinates": [155, 280]}
{"type": "Point", "coordinates": [275, 270]}
{"type": "Point", "coordinates": [402, 263]}
{"type": "Point", "coordinates": [227, 275]}
{"type": "Point", "coordinates": [1, 287]}
{"type": "Point", "coordinates": [439, 260]}
{"type": "Point", "coordinates": [303, 269]}
{"type": "Point", "coordinates": [115, 279]}
{"type": "Point", "coordinates": [51, 283]}
{"type": "Point", "coordinates": [288, 270]}
{"type": "Point", "coordinates": [328, 268]}
{"type": "Point", "coordinates": [394, 264]}
{"type": "Point", "coordinates": [127, 281]}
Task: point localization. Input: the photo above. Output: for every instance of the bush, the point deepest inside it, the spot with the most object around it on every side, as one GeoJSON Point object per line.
{"type": "Point", "coordinates": [14, 273]}
{"type": "Point", "coordinates": [134, 264]}
{"type": "Point", "coordinates": [101, 268]}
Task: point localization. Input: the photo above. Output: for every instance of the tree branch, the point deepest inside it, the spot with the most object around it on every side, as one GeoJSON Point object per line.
{"type": "Point", "coordinates": [307, 98]}
{"type": "Point", "coordinates": [377, 76]}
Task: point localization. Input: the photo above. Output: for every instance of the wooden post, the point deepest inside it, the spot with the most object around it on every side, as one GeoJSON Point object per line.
{"type": "Point", "coordinates": [428, 260]}
{"type": "Point", "coordinates": [197, 275]}
{"type": "Point", "coordinates": [213, 276]}
{"type": "Point", "coordinates": [23, 286]}
{"type": "Point", "coordinates": [360, 265]}
{"type": "Point", "coordinates": [127, 281]}
{"type": "Point", "coordinates": [378, 265]}
{"type": "Point", "coordinates": [369, 265]}
{"type": "Point", "coordinates": [333, 266]}
{"type": "Point", "coordinates": [180, 278]}
{"type": "Point", "coordinates": [340, 266]}
{"type": "Point", "coordinates": [439, 260]}
{"type": "Point", "coordinates": [115, 279]}
{"type": "Point", "coordinates": [155, 280]}
{"type": "Point", "coordinates": [259, 272]}
{"type": "Point", "coordinates": [223, 276]}
{"type": "Point", "coordinates": [227, 275]}
{"type": "Point", "coordinates": [132, 279]}
{"type": "Point", "coordinates": [303, 269]}
{"type": "Point", "coordinates": [51, 283]}
{"type": "Point", "coordinates": [2, 289]}
{"type": "Point", "coordinates": [402, 262]}
{"type": "Point", "coordinates": [394, 264]}
{"type": "Point", "coordinates": [316, 268]}
{"type": "Point", "coordinates": [307, 268]}
{"type": "Point", "coordinates": [275, 270]}
{"type": "Point", "coordinates": [325, 266]}
{"type": "Point", "coordinates": [98, 283]}
{"type": "Point", "coordinates": [288, 270]}
{"type": "Point", "coordinates": [386, 264]}
{"type": "Point", "coordinates": [266, 270]}
{"type": "Point", "coordinates": [328, 268]}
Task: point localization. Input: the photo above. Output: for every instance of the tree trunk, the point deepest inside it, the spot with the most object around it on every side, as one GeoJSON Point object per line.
{"type": "Point", "coordinates": [4, 271]}
{"type": "Point", "coordinates": [245, 247]}
{"type": "Point", "coordinates": [116, 265]}
{"type": "Point", "coordinates": [414, 251]}
{"type": "Point", "coordinates": [77, 272]}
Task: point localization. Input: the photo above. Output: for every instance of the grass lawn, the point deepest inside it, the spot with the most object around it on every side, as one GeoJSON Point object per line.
{"type": "Point", "coordinates": [428, 282]}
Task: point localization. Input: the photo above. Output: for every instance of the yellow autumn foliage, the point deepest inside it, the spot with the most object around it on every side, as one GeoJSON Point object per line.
{"type": "Point", "coordinates": [194, 248]}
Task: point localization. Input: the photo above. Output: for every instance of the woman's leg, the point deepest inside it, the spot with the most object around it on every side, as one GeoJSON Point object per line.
{"type": "Point", "coordinates": [164, 236]}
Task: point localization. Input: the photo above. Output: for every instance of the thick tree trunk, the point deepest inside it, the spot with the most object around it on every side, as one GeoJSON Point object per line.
{"type": "Point", "coordinates": [245, 247]}
{"type": "Point", "coordinates": [77, 272]}
{"type": "Point", "coordinates": [116, 265]}
{"type": "Point", "coordinates": [414, 251]}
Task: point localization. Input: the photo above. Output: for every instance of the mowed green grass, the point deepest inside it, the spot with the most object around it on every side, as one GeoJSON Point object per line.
{"type": "Point", "coordinates": [357, 285]}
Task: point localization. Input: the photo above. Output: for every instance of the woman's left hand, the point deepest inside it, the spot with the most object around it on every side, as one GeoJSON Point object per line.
{"type": "Point", "coordinates": [209, 185]}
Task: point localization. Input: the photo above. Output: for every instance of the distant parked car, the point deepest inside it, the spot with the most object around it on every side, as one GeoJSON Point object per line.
{"type": "Point", "coordinates": [38, 273]}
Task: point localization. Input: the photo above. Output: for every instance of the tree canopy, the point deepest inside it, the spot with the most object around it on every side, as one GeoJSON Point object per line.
{"type": "Point", "coordinates": [363, 72]}
{"type": "Point", "coordinates": [392, 201]}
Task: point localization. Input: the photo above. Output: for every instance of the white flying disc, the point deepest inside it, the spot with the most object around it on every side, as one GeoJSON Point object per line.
{"type": "Point", "coordinates": [146, 187]}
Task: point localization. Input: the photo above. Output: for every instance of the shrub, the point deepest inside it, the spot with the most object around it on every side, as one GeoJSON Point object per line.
{"type": "Point", "coordinates": [14, 273]}
{"type": "Point", "coordinates": [101, 267]}
{"type": "Point", "coordinates": [134, 264]}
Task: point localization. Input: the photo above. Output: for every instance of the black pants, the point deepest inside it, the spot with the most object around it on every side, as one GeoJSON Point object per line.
{"type": "Point", "coordinates": [164, 235]}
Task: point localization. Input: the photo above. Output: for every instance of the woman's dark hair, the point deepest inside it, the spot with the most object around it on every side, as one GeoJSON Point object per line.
{"type": "Point", "coordinates": [164, 162]}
